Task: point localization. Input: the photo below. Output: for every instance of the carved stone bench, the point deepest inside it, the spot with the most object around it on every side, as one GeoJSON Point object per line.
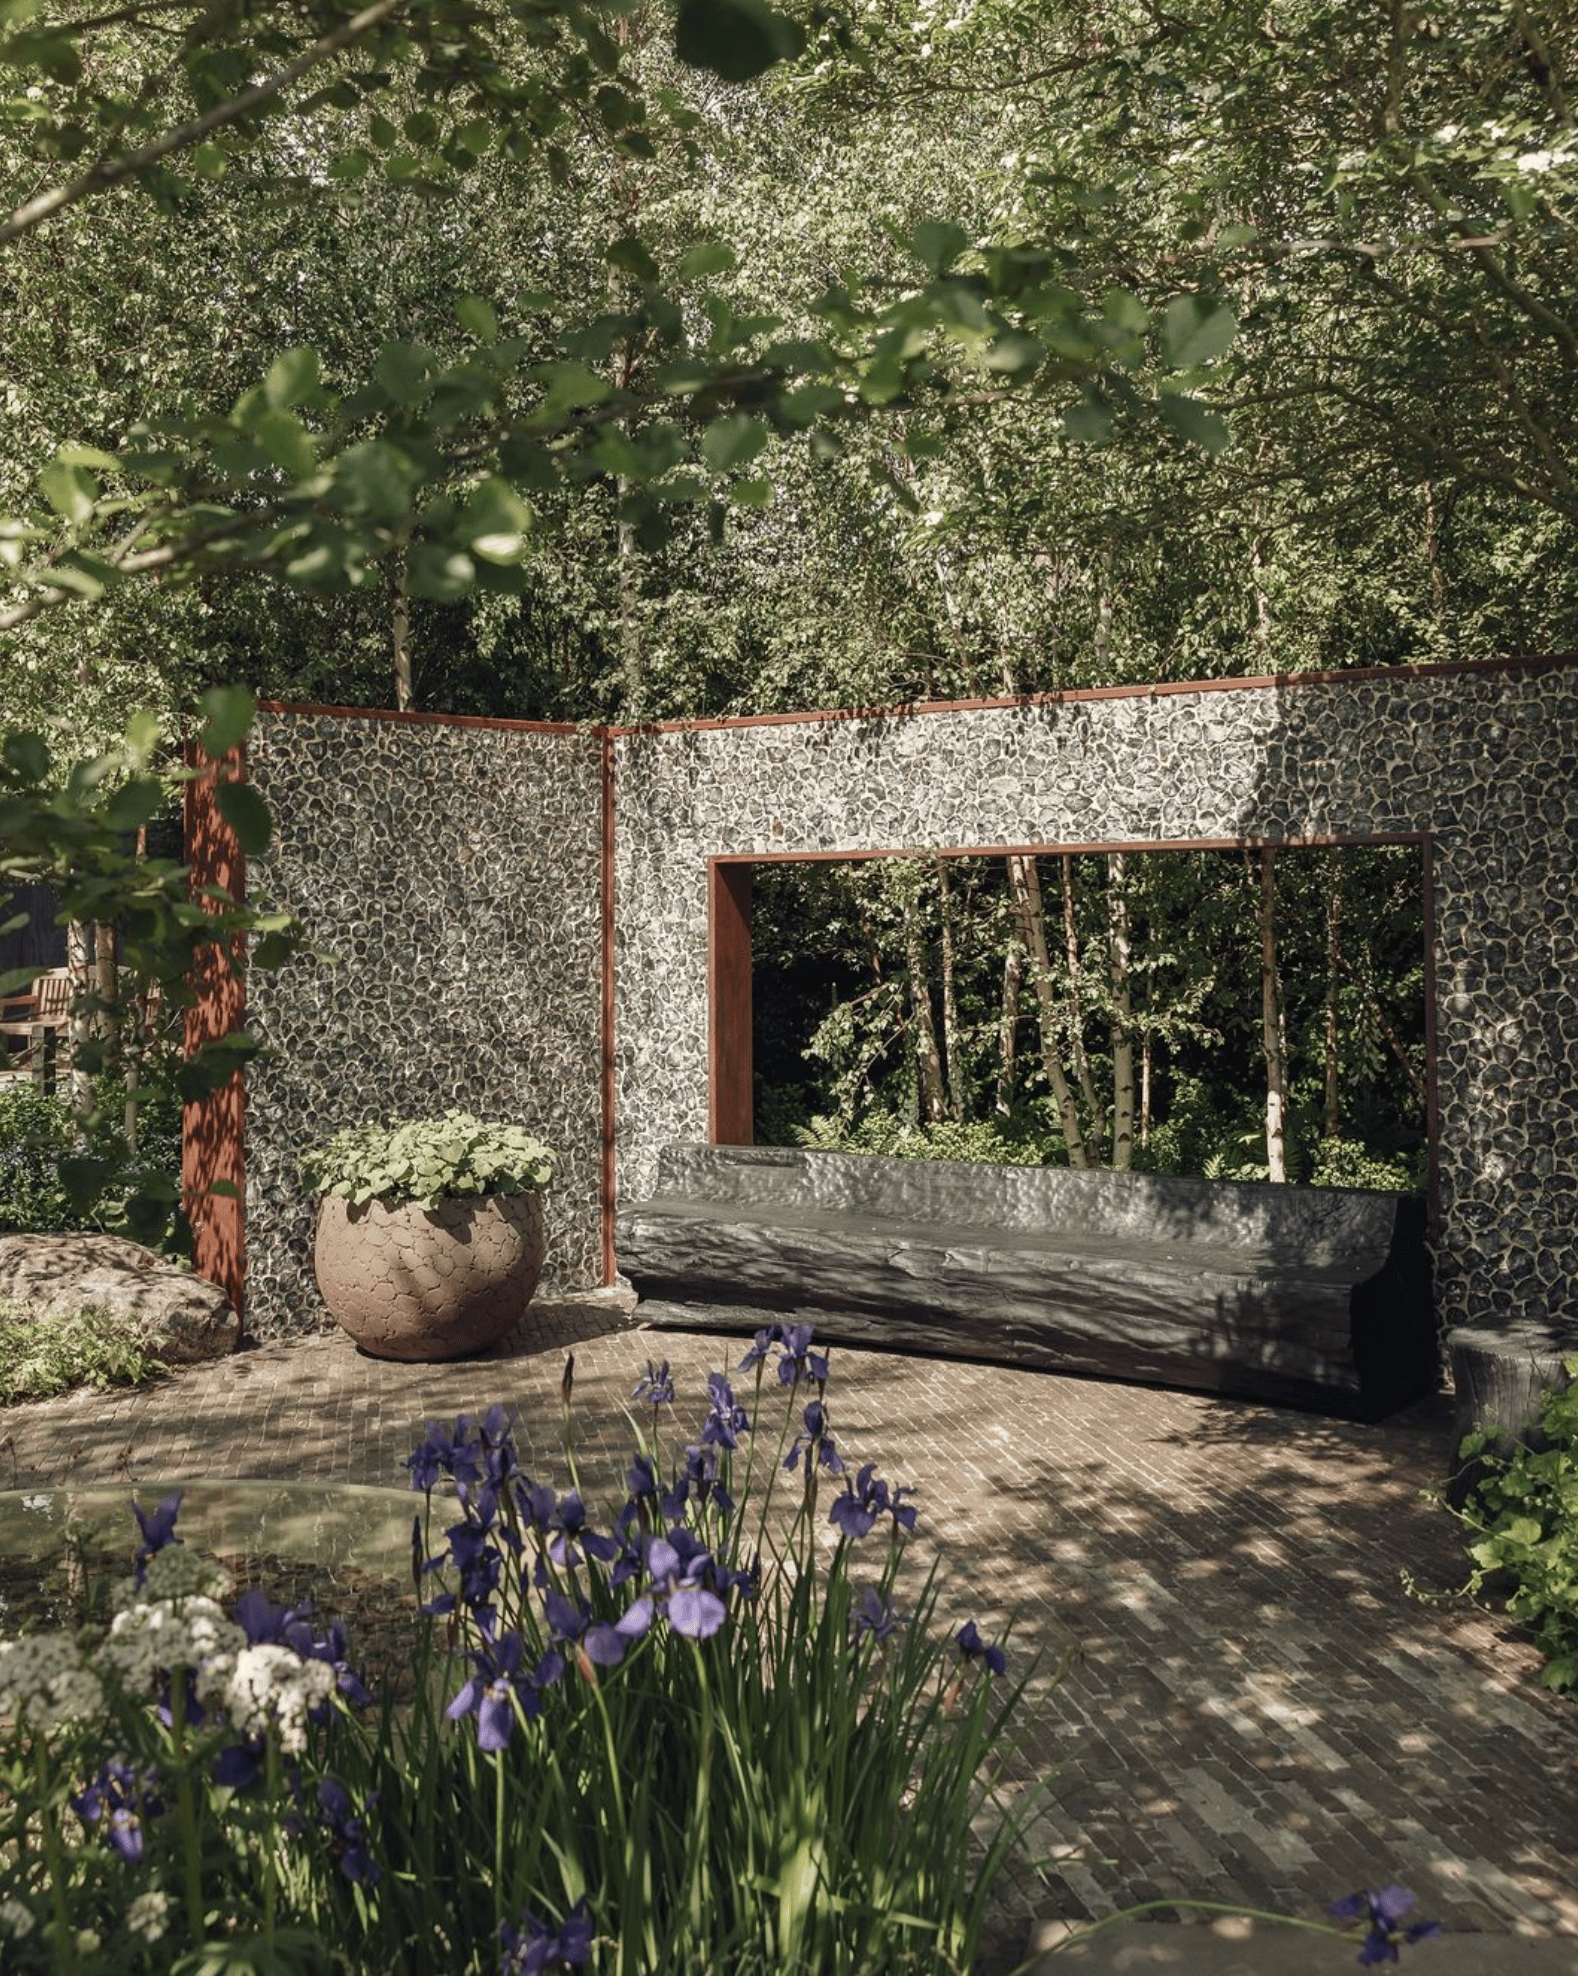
{"type": "Point", "coordinates": [1309, 1297]}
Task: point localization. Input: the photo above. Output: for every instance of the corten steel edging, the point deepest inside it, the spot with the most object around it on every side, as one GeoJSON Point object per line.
{"type": "Point", "coordinates": [608, 1167]}
{"type": "Point", "coordinates": [1072, 695]}
{"type": "Point", "coordinates": [213, 1128]}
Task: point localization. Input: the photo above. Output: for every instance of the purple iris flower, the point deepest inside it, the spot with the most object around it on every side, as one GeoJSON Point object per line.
{"type": "Point", "coordinates": [817, 1440]}
{"type": "Point", "coordinates": [796, 1360]}
{"type": "Point", "coordinates": [867, 1498]}
{"type": "Point", "coordinates": [492, 1692]}
{"type": "Point", "coordinates": [535, 1501]}
{"type": "Point", "coordinates": [443, 1453]}
{"type": "Point", "coordinates": [534, 1946]}
{"type": "Point", "coordinates": [727, 1420]}
{"type": "Point", "coordinates": [973, 1647]}
{"type": "Point", "coordinates": [158, 1529]}
{"type": "Point", "coordinates": [873, 1615]}
{"type": "Point", "coordinates": [595, 1642]}
{"type": "Point", "coordinates": [569, 1520]}
{"type": "Point", "coordinates": [656, 1388]}
{"type": "Point", "coordinates": [680, 1566]}
{"type": "Point", "coordinates": [1384, 1910]}
{"type": "Point", "coordinates": [240, 1765]}
{"type": "Point", "coordinates": [346, 1832]}
{"type": "Point", "coordinates": [118, 1800]}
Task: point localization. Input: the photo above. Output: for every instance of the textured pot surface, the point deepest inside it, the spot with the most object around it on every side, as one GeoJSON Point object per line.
{"type": "Point", "coordinates": [418, 1283]}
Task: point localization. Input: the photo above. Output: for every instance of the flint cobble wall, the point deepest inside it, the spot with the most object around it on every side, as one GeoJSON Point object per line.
{"type": "Point", "coordinates": [454, 873]}
{"type": "Point", "coordinates": [1480, 761]}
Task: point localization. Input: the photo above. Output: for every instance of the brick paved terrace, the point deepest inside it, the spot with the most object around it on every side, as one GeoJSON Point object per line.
{"type": "Point", "coordinates": [1253, 1710]}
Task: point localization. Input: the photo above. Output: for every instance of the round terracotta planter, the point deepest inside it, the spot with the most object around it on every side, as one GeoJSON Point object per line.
{"type": "Point", "coordinates": [414, 1283]}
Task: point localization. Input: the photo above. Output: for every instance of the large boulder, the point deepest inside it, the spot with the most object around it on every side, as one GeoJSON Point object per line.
{"type": "Point", "coordinates": [178, 1317]}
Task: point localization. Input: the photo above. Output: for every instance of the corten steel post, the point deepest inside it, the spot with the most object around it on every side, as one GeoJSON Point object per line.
{"type": "Point", "coordinates": [730, 1102]}
{"type": "Point", "coordinates": [213, 1144]}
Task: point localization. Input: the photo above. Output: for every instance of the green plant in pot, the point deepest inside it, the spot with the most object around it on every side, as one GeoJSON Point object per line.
{"type": "Point", "coordinates": [429, 1236]}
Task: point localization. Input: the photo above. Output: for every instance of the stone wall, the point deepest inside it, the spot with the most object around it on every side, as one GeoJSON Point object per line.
{"type": "Point", "coordinates": [455, 872]}
{"type": "Point", "coordinates": [1482, 761]}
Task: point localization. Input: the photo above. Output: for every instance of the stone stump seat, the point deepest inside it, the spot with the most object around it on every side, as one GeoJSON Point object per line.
{"type": "Point", "coordinates": [1309, 1297]}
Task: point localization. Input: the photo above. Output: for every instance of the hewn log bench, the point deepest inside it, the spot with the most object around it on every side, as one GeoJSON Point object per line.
{"type": "Point", "coordinates": [1309, 1297]}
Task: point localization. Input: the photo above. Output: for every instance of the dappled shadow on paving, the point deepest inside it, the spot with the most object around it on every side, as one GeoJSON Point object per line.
{"type": "Point", "coordinates": [1253, 1709]}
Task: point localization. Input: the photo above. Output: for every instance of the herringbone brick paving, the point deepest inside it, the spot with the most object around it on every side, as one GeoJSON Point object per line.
{"type": "Point", "coordinates": [1253, 1709]}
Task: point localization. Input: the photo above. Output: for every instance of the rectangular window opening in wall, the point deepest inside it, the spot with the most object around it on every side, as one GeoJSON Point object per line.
{"type": "Point", "coordinates": [1243, 1012]}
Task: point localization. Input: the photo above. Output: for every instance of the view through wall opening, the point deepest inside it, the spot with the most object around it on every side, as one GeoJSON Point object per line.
{"type": "Point", "coordinates": [1253, 1013]}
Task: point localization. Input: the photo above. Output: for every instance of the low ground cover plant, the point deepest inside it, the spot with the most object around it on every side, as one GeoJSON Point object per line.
{"type": "Point", "coordinates": [428, 1160]}
{"type": "Point", "coordinates": [717, 1728]}
{"type": "Point", "coordinates": [40, 1357]}
{"type": "Point", "coordinates": [1521, 1516]}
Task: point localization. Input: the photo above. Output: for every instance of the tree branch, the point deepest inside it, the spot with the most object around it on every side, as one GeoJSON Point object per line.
{"type": "Point", "coordinates": [107, 173]}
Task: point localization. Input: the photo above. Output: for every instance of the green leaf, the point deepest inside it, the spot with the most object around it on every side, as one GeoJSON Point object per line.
{"type": "Point", "coordinates": [1015, 353]}
{"type": "Point", "coordinates": [937, 244]}
{"type": "Point", "coordinates": [568, 387]}
{"type": "Point", "coordinates": [477, 315]}
{"type": "Point", "coordinates": [227, 712]}
{"type": "Point", "coordinates": [1088, 422]}
{"type": "Point", "coordinates": [629, 252]}
{"type": "Point", "coordinates": [287, 442]}
{"type": "Point", "coordinates": [1195, 329]}
{"type": "Point", "coordinates": [349, 166]}
{"type": "Point", "coordinates": [377, 480]}
{"type": "Point", "coordinates": [731, 442]}
{"type": "Point", "coordinates": [28, 754]}
{"type": "Point", "coordinates": [439, 572]}
{"type": "Point", "coordinates": [208, 160]}
{"type": "Point", "coordinates": [88, 456]}
{"type": "Point", "coordinates": [71, 491]}
{"type": "Point", "coordinates": [402, 369]}
{"type": "Point", "coordinates": [1195, 422]}
{"type": "Point", "coordinates": [707, 257]}
{"type": "Point", "coordinates": [247, 814]}
{"type": "Point", "coordinates": [292, 378]}
{"type": "Point", "coordinates": [495, 521]}
{"type": "Point", "coordinates": [735, 39]}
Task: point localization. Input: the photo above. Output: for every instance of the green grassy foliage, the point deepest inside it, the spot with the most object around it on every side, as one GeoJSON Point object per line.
{"type": "Point", "coordinates": [1522, 1519]}
{"type": "Point", "coordinates": [40, 1357]}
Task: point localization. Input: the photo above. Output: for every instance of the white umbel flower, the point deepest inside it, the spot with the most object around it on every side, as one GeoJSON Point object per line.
{"type": "Point", "coordinates": [176, 1572]}
{"type": "Point", "coordinates": [270, 1687]}
{"type": "Point", "coordinates": [147, 1639]}
{"type": "Point", "coordinates": [148, 1915]}
{"type": "Point", "coordinates": [44, 1681]}
{"type": "Point", "coordinates": [15, 1919]}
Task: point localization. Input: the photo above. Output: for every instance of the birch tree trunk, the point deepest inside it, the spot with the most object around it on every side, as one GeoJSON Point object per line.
{"type": "Point", "coordinates": [79, 961]}
{"type": "Point", "coordinates": [106, 1018]}
{"type": "Point", "coordinates": [1145, 1090]}
{"type": "Point", "coordinates": [1025, 883]}
{"type": "Point", "coordinates": [952, 1056]}
{"type": "Point", "coordinates": [400, 626]}
{"type": "Point", "coordinates": [928, 1064]}
{"type": "Point", "coordinates": [1272, 1040]}
{"type": "Point", "coordinates": [1119, 950]}
{"type": "Point", "coordinates": [1008, 1026]}
{"type": "Point", "coordinates": [1095, 1109]}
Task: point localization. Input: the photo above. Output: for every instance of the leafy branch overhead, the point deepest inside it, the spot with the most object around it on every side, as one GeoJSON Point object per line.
{"type": "Point", "coordinates": [448, 457]}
